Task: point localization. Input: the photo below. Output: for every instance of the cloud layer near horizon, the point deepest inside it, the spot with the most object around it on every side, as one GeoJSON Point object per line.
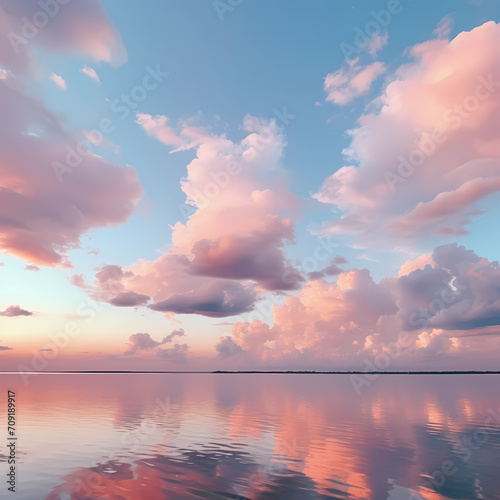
{"type": "Point", "coordinates": [15, 311]}
{"type": "Point", "coordinates": [445, 303]}
{"type": "Point", "coordinates": [428, 152]}
{"type": "Point", "coordinates": [144, 342]}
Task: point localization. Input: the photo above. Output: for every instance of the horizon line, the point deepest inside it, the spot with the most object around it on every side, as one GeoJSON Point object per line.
{"type": "Point", "coordinates": [264, 372]}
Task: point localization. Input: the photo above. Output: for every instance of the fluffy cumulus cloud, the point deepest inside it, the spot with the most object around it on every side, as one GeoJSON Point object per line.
{"type": "Point", "coordinates": [231, 246]}
{"type": "Point", "coordinates": [71, 27]}
{"type": "Point", "coordinates": [324, 319]}
{"type": "Point", "coordinates": [346, 84]}
{"type": "Point", "coordinates": [443, 304]}
{"type": "Point", "coordinates": [43, 215]}
{"type": "Point", "coordinates": [14, 311]}
{"type": "Point", "coordinates": [227, 347]}
{"type": "Point", "coordinates": [144, 342]}
{"type": "Point", "coordinates": [428, 152]}
{"type": "Point", "coordinates": [52, 188]}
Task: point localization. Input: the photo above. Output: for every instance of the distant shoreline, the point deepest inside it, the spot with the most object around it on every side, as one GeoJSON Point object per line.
{"type": "Point", "coordinates": [256, 372]}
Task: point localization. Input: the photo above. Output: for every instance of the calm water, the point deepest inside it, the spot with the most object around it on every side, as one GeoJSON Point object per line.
{"type": "Point", "coordinates": [186, 436]}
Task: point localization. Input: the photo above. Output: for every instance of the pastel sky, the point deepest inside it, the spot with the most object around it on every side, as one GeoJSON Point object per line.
{"type": "Point", "coordinates": [249, 185]}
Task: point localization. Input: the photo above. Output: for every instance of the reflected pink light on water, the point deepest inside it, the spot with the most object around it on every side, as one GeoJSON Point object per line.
{"type": "Point", "coordinates": [251, 436]}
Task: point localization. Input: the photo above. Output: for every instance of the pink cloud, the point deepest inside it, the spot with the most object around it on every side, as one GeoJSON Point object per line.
{"type": "Point", "coordinates": [345, 85]}
{"type": "Point", "coordinates": [412, 265]}
{"type": "Point", "coordinates": [156, 126]}
{"type": "Point", "coordinates": [428, 153]}
{"type": "Point", "coordinates": [144, 342]}
{"type": "Point", "coordinates": [332, 269]}
{"type": "Point", "coordinates": [44, 211]}
{"type": "Point", "coordinates": [446, 205]}
{"type": "Point", "coordinates": [78, 280]}
{"type": "Point", "coordinates": [173, 288]}
{"type": "Point", "coordinates": [30, 267]}
{"type": "Point", "coordinates": [444, 27]}
{"type": "Point", "coordinates": [324, 319]}
{"type": "Point", "coordinates": [13, 311]}
{"type": "Point", "coordinates": [76, 27]}
{"type": "Point", "coordinates": [442, 307]}
{"type": "Point", "coordinates": [43, 215]}
{"type": "Point", "coordinates": [129, 299]}
{"type": "Point", "coordinates": [227, 347]}
{"type": "Point", "coordinates": [91, 73]}
{"type": "Point", "coordinates": [231, 247]}
{"type": "Point", "coordinates": [377, 42]}
{"type": "Point", "coordinates": [182, 137]}
{"type": "Point", "coordinates": [59, 81]}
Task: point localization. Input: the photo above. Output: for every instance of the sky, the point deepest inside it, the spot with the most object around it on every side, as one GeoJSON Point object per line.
{"type": "Point", "coordinates": [236, 184]}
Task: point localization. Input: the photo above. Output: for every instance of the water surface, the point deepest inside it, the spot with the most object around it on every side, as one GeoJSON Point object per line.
{"type": "Point", "coordinates": [254, 436]}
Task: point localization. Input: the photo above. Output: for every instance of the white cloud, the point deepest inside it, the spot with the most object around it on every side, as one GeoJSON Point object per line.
{"type": "Point", "coordinates": [444, 27]}
{"type": "Point", "coordinates": [59, 81]}
{"type": "Point", "coordinates": [377, 42]}
{"type": "Point", "coordinates": [346, 84]}
{"type": "Point", "coordinates": [90, 72]}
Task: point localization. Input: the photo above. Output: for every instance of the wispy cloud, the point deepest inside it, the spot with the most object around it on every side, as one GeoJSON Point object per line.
{"type": "Point", "coordinates": [346, 84]}
{"type": "Point", "coordinates": [91, 73]}
{"type": "Point", "coordinates": [377, 42]}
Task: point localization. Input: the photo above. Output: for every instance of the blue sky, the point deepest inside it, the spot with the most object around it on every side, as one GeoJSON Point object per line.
{"type": "Point", "coordinates": [262, 56]}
